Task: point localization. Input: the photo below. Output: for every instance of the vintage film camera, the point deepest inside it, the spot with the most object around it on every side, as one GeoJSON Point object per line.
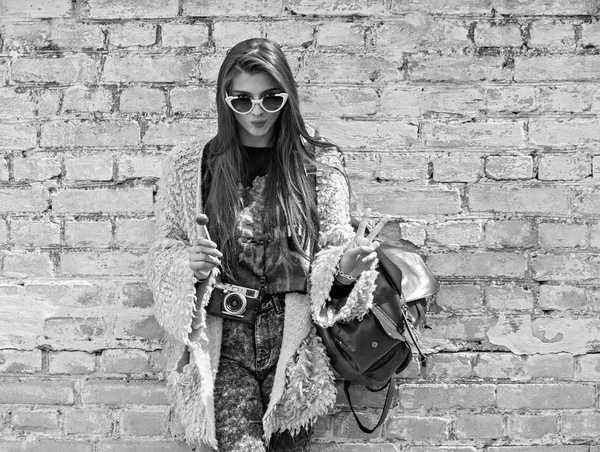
{"type": "Point", "coordinates": [234, 302]}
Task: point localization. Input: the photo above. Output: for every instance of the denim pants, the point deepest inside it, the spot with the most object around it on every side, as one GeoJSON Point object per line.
{"type": "Point", "coordinates": [249, 354]}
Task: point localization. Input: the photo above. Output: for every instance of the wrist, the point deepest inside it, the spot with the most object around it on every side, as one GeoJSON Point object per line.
{"type": "Point", "coordinates": [343, 277]}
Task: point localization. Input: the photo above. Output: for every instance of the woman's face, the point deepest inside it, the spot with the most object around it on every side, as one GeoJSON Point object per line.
{"type": "Point", "coordinates": [255, 128]}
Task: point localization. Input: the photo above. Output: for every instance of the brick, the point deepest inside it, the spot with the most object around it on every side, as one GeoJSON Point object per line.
{"type": "Point", "coordinates": [418, 32]}
{"type": "Point", "coordinates": [353, 134]}
{"type": "Point", "coordinates": [137, 326]}
{"type": "Point", "coordinates": [456, 100]}
{"type": "Point", "coordinates": [37, 392]}
{"type": "Point", "coordinates": [89, 167]}
{"type": "Point", "coordinates": [397, 101]}
{"type": "Point", "coordinates": [36, 8]}
{"type": "Point", "coordinates": [590, 34]}
{"type": "Point", "coordinates": [87, 100]}
{"type": "Point", "coordinates": [499, 365]}
{"type": "Point", "coordinates": [123, 393]}
{"type": "Point", "coordinates": [411, 202]}
{"type": "Point", "coordinates": [509, 233]}
{"type": "Point", "coordinates": [146, 100]}
{"type": "Point", "coordinates": [138, 34]}
{"type": "Point", "coordinates": [339, 101]}
{"type": "Point", "coordinates": [71, 363]}
{"type": "Point", "coordinates": [48, 102]}
{"type": "Point", "coordinates": [345, 425]}
{"type": "Point", "coordinates": [20, 361]}
{"type": "Point", "coordinates": [349, 7]}
{"type": "Point", "coordinates": [185, 35]}
{"type": "Point", "coordinates": [74, 294]}
{"type": "Point", "coordinates": [595, 235]}
{"type": "Point", "coordinates": [36, 167]}
{"type": "Point", "coordinates": [571, 266]}
{"type": "Point", "coordinates": [510, 99]}
{"type": "Point", "coordinates": [538, 449]}
{"type": "Point", "coordinates": [486, 198]}
{"type": "Point", "coordinates": [565, 98]}
{"type": "Point", "coordinates": [550, 366]}
{"type": "Point", "coordinates": [494, 35]}
{"type": "Point", "coordinates": [26, 35]}
{"type": "Point", "coordinates": [486, 264]}
{"type": "Point", "coordinates": [509, 167]}
{"type": "Point", "coordinates": [479, 426]}
{"type": "Point", "coordinates": [134, 233]}
{"type": "Point", "coordinates": [584, 425]}
{"type": "Point", "coordinates": [564, 166]}
{"type": "Point", "coordinates": [90, 134]}
{"type": "Point", "coordinates": [545, 396]}
{"type": "Point", "coordinates": [15, 104]}
{"type": "Point", "coordinates": [435, 68]}
{"type": "Point", "coordinates": [3, 233]}
{"type": "Point", "coordinates": [554, 35]}
{"type": "Point", "coordinates": [353, 68]}
{"type": "Point", "coordinates": [444, 366]}
{"type": "Point", "coordinates": [89, 421]}
{"type": "Point", "coordinates": [118, 263]}
{"type": "Point", "coordinates": [401, 167]}
{"type": "Point", "coordinates": [454, 234]}
{"type": "Point", "coordinates": [509, 297]}
{"type": "Point", "coordinates": [227, 34]}
{"type": "Point", "coordinates": [336, 34]}
{"type": "Point", "coordinates": [145, 423]}
{"type": "Point", "coordinates": [488, 133]}
{"type": "Point", "coordinates": [103, 200]}
{"type": "Point", "coordinates": [465, 328]}
{"type": "Point", "coordinates": [139, 68]}
{"type": "Point", "coordinates": [52, 445]}
{"type": "Point", "coordinates": [136, 295]}
{"type": "Point", "coordinates": [414, 233]}
{"type": "Point", "coordinates": [66, 70]}
{"type": "Point", "coordinates": [18, 136]}
{"type": "Point", "coordinates": [35, 233]}
{"type": "Point", "coordinates": [587, 202]}
{"type": "Point", "coordinates": [35, 420]}
{"type": "Point", "coordinates": [528, 427]}
{"type": "Point", "coordinates": [193, 99]}
{"type": "Point", "coordinates": [458, 296]}
{"type": "Point", "coordinates": [146, 446]}
{"type": "Point", "coordinates": [562, 235]}
{"type": "Point", "coordinates": [180, 132]}
{"type": "Point", "coordinates": [457, 168]}
{"type": "Point", "coordinates": [231, 8]}
{"type": "Point", "coordinates": [140, 165]}
{"type": "Point", "coordinates": [33, 199]}
{"type": "Point", "coordinates": [450, 397]}
{"type": "Point", "coordinates": [562, 297]}
{"type": "Point", "coordinates": [131, 9]}
{"type": "Point", "coordinates": [26, 265]}
{"type": "Point", "coordinates": [417, 428]}
{"type": "Point", "coordinates": [75, 328]}
{"type": "Point", "coordinates": [557, 67]}
{"type": "Point", "coordinates": [88, 234]}
{"type": "Point", "coordinates": [124, 361]}
{"type": "Point", "coordinates": [351, 447]}
{"type": "Point", "coordinates": [588, 367]}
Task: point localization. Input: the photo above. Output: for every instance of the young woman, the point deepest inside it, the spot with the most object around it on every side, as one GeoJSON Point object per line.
{"type": "Point", "coordinates": [238, 299]}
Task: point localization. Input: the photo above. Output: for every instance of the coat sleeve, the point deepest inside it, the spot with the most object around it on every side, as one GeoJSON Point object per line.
{"type": "Point", "coordinates": [333, 198]}
{"type": "Point", "coordinates": [168, 273]}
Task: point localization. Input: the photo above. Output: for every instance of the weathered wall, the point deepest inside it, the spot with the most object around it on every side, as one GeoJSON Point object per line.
{"type": "Point", "coordinates": [473, 123]}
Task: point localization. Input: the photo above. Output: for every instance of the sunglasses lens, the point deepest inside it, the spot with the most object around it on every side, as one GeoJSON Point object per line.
{"type": "Point", "coordinates": [242, 104]}
{"type": "Point", "coordinates": [272, 103]}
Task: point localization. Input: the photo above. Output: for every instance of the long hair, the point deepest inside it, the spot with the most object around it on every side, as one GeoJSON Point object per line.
{"type": "Point", "coordinates": [290, 200]}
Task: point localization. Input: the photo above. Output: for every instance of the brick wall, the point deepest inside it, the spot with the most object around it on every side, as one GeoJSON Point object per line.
{"type": "Point", "coordinates": [474, 123]}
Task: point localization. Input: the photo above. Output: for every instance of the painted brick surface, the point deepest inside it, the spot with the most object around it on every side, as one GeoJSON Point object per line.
{"type": "Point", "coordinates": [473, 124]}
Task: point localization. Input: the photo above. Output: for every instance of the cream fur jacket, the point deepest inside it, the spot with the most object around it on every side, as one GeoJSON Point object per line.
{"type": "Point", "coordinates": [304, 383]}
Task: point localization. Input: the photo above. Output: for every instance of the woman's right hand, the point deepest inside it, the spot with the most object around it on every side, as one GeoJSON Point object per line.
{"type": "Point", "coordinates": [204, 256]}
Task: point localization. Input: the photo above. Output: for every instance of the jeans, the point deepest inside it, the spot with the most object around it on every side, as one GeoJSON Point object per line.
{"type": "Point", "coordinates": [249, 355]}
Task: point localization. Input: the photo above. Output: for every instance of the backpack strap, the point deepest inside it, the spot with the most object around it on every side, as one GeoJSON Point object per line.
{"type": "Point", "coordinates": [386, 407]}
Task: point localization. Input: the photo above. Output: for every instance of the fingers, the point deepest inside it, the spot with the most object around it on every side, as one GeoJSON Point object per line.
{"type": "Point", "coordinates": [205, 242]}
{"type": "Point", "coordinates": [377, 228]}
{"type": "Point", "coordinates": [362, 226]}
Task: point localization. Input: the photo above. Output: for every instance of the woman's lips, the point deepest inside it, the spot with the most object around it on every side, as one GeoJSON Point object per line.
{"type": "Point", "coordinates": [258, 124]}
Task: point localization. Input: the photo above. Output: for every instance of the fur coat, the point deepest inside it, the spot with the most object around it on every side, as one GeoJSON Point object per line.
{"type": "Point", "coordinates": [304, 384]}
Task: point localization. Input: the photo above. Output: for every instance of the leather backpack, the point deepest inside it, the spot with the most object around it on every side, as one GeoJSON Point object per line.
{"type": "Point", "coordinates": [372, 350]}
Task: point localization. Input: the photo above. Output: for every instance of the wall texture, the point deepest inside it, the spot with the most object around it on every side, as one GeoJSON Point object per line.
{"type": "Point", "coordinates": [474, 123]}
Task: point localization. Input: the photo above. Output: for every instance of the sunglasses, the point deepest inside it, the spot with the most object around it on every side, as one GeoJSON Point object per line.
{"type": "Point", "coordinates": [271, 103]}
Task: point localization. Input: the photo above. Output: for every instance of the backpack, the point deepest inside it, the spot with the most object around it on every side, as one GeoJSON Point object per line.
{"type": "Point", "coordinates": [370, 351]}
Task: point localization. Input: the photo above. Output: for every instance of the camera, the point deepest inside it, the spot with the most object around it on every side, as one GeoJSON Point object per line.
{"type": "Point", "coordinates": [234, 302]}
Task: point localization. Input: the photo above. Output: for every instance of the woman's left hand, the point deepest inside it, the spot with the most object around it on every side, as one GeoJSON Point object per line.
{"type": "Point", "coordinates": [361, 251]}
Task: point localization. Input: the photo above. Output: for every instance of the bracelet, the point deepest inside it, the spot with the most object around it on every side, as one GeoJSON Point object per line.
{"type": "Point", "coordinates": [339, 272]}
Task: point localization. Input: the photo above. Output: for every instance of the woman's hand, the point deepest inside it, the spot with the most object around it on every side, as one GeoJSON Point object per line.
{"type": "Point", "coordinates": [204, 255]}
{"type": "Point", "coordinates": [361, 251]}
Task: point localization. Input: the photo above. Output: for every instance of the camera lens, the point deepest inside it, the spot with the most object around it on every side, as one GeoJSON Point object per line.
{"type": "Point", "coordinates": [234, 304]}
